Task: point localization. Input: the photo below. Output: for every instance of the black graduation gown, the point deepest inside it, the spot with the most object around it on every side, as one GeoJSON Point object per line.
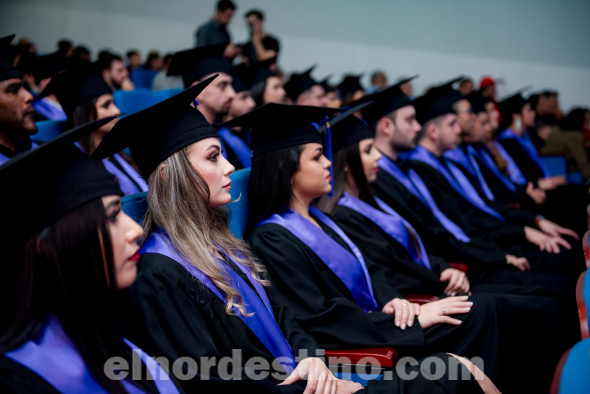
{"type": "Point", "coordinates": [326, 309]}
{"type": "Point", "coordinates": [175, 316]}
{"type": "Point", "coordinates": [534, 295]}
{"type": "Point", "coordinates": [437, 240]}
{"type": "Point", "coordinates": [565, 204]}
{"type": "Point", "coordinates": [506, 234]}
{"type": "Point", "coordinates": [15, 378]}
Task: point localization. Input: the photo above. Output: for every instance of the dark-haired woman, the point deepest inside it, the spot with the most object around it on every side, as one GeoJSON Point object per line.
{"type": "Point", "coordinates": [268, 87]}
{"type": "Point", "coordinates": [315, 270]}
{"type": "Point", "coordinates": [85, 97]}
{"type": "Point", "coordinates": [395, 246]}
{"type": "Point", "coordinates": [73, 258]}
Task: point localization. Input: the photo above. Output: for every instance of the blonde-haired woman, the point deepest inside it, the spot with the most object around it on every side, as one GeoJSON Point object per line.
{"type": "Point", "coordinates": [199, 300]}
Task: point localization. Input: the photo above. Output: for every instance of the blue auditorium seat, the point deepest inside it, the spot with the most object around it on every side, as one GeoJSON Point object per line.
{"type": "Point", "coordinates": [142, 77]}
{"type": "Point", "coordinates": [48, 130]}
{"type": "Point", "coordinates": [135, 206]}
{"type": "Point", "coordinates": [556, 164]}
{"type": "Point", "coordinates": [240, 186]}
{"type": "Point", "coordinates": [131, 101]}
{"type": "Point", "coordinates": [164, 94]}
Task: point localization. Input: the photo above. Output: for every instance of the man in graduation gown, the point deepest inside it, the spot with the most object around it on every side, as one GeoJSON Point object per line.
{"type": "Point", "coordinates": [461, 202]}
{"type": "Point", "coordinates": [393, 120]}
{"type": "Point", "coordinates": [196, 65]}
{"type": "Point", "coordinates": [16, 109]}
{"type": "Point", "coordinates": [564, 202]}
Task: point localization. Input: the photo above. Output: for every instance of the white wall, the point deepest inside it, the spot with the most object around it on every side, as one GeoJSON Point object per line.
{"type": "Point", "coordinates": [538, 42]}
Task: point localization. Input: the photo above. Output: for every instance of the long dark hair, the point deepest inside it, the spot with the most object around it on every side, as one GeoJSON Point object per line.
{"type": "Point", "coordinates": [574, 120]}
{"type": "Point", "coordinates": [270, 182]}
{"type": "Point", "coordinates": [85, 113]}
{"type": "Point", "coordinates": [68, 270]}
{"type": "Point", "coordinates": [350, 156]}
{"type": "Point", "coordinates": [257, 92]}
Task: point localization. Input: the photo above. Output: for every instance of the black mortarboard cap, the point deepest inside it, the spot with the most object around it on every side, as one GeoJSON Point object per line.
{"type": "Point", "coordinates": [478, 101]}
{"type": "Point", "coordinates": [46, 183]}
{"type": "Point", "coordinates": [432, 105]}
{"type": "Point", "coordinates": [240, 78]}
{"type": "Point", "coordinates": [260, 71]}
{"type": "Point", "coordinates": [350, 84]}
{"type": "Point", "coordinates": [277, 126]}
{"type": "Point", "coordinates": [49, 65]}
{"type": "Point", "coordinates": [347, 129]}
{"type": "Point", "coordinates": [194, 64]}
{"type": "Point", "coordinates": [7, 70]}
{"type": "Point", "coordinates": [299, 83]}
{"type": "Point", "coordinates": [76, 87]}
{"type": "Point", "coordinates": [156, 133]}
{"type": "Point", "coordinates": [447, 90]}
{"type": "Point", "coordinates": [325, 83]}
{"type": "Point", "coordinates": [385, 101]}
{"type": "Point", "coordinates": [512, 104]}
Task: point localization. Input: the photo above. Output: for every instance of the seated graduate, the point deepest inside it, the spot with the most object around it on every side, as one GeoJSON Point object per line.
{"type": "Point", "coordinates": [320, 274]}
{"type": "Point", "coordinates": [459, 200]}
{"type": "Point", "coordinates": [267, 85]}
{"type": "Point", "coordinates": [394, 245]}
{"type": "Point", "coordinates": [518, 117]}
{"type": "Point", "coordinates": [61, 326]}
{"type": "Point", "coordinates": [85, 97]}
{"type": "Point", "coordinates": [16, 110]}
{"type": "Point", "coordinates": [199, 291]}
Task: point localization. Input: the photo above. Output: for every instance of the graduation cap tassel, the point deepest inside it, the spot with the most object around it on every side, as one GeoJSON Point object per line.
{"type": "Point", "coordinates": [328, 153]}
{"type": "Point", "coordinates": [327, 139]}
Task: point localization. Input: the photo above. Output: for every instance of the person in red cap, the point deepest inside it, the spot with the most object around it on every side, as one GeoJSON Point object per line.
{"type": "Point", "coordinates": [487, 87]}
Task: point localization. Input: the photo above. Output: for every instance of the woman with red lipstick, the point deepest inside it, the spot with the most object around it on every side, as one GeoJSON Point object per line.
{"type": "Point", "coordinates": [67, 268]}
{"type": "Point", "coordinates": [200, 295]}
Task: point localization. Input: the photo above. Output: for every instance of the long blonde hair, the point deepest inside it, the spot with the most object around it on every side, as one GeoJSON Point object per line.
{"type": "Point", "coordinates": [179, 203]}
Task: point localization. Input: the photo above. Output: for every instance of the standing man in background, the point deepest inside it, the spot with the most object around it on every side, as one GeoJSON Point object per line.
{"type": "Point", "coordinates": [261, 46]}
{"type": "Point", "coordinates": [215, 31]}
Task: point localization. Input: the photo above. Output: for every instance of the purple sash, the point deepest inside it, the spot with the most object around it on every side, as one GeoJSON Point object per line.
{"type": "Point", "coordinates": [527, 146]}
{"type": "Point", "coordinates": [351, 270]}
{"type": "Point", "coordinates": [51, 110]}
{"type": "Point", "coordinates": [54, 357]}
{"type": "Point", "coordinates": [262, 322]}
{"type": "Point", "coordinates": [391, 222]}
{"type": "Point", "coordinates": [484, 158]}
{"type": "Point", "coordinates": [416, 186]}
{"type": "Point", "coordinates": [514, 172]}
{"type": "Point", "coordinates": [457, 180]}
{"type": "Point", "coordinates": [4, 159]}
{"type": "Point", "coordinates": [240, 148]}
{"type": "Point", "coordinates": [134, 175]}
{"type": "Point", "coordinates": [459, 156]}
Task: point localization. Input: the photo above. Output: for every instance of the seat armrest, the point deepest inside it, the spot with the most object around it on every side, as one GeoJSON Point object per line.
{"type": "Point", "coordinates": [464, 267]}
{"type": "Point", "coordinates": [420, 298]}
{"type": "Point", "coordinates": [382, 357]}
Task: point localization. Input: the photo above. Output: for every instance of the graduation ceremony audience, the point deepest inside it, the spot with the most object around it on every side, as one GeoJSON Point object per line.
{"type": "Point", "coordinates": [435, 226]}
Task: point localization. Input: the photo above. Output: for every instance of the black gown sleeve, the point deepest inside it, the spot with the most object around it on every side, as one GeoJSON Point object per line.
{"type": "Point", "coordinates": [320, 301]}
{"type": "Point", "coordinates": [180, 317]}
{"type": "Point", "coordinates": [15, 378]}
{"type": "Point", "coordinates": [401, 271]}
{"type": "Point", "coordinates": [437, 240]}
{"type": "Point", "coordinates": [527, 166]}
